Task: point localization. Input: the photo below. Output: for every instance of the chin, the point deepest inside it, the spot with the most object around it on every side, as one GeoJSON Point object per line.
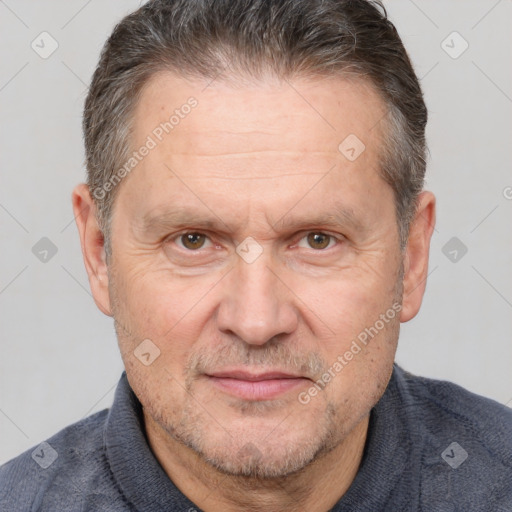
{"type": "Point", "coordinates": [262, 463]}
{"type": "Point", "coordinates": [273, 450]}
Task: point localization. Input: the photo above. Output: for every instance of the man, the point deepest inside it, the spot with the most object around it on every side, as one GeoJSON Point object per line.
{"type": "Point", "coordinates": [255, 222]}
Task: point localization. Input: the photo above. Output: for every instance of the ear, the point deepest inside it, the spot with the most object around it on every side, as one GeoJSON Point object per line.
{"type": "Point", "coordinates": [416, 255]}
{"type": "Point", "coordinates": [92, 242]}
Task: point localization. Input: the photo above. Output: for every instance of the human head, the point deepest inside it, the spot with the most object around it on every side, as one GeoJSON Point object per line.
{"type": "Point", "coordinates": [251, 164]}
{"type": "Point", "coordinates": [248, 39]}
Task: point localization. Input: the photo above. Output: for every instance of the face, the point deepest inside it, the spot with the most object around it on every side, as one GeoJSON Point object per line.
{"type": "Point", "coordinates": [258, 259]}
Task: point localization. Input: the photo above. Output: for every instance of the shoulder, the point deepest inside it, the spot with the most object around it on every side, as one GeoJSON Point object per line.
{"type": "Point", "coordinates": [441, 404]}
{"type": "Point", "coordinates": [461, 441]}
{"type": "Point", "coordinates": [58, 472]}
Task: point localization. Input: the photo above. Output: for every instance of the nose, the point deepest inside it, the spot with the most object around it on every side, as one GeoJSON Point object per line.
{"type": "Point", "coordinates": [257, 306]}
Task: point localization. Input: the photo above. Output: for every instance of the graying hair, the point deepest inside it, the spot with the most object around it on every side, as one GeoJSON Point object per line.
{"type": "Point", "coordinates": [222, 39]}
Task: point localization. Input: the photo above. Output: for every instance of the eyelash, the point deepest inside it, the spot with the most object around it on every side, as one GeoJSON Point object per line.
{"type": "Point", "coordinates": [331, 239]}
{"type": "Point", "coordinates": [337, 239]}
{"type": "Point", "coordinates": [176, 238]}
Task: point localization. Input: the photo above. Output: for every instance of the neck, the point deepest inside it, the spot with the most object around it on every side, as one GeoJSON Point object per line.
{"type": "Point", "coordinates": [316, 488]}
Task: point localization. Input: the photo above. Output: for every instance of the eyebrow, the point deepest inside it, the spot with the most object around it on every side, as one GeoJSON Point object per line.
{"type": "Point", "coordinates": [340, 216]}
{"type": "Point", "coordinates": [179, 219]}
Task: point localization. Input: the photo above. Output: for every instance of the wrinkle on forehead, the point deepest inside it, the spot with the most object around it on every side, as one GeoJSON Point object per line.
{"type": "Point", "coordinates": [277, 143]}
{"type": "Point", "coordinates": [267, 115]}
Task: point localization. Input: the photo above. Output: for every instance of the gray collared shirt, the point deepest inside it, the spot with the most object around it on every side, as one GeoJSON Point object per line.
{"type": "Point", "coordinates": [431, 446]}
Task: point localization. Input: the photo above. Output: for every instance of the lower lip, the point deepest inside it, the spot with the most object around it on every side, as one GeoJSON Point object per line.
{"type": "Point", "coordinates": [259, 389]}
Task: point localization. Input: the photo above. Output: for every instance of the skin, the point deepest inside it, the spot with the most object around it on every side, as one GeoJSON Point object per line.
{"type": "Point", "coordinates": [257, 160]}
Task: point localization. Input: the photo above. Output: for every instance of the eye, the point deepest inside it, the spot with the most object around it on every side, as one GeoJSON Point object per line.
{"type": "Point", "coordinates": [317, 240]}
{"type": "Point", "coordinates": [192, 241]}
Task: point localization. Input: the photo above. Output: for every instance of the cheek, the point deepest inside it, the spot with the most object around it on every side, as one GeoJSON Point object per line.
{"type": "Point", "coordinates": [360, 371]}
{"type": "Point", "coordinates": [359, 319]}
{"type": "Point", "coordinates": [169, 310]}
{"type": "Point", "coordinates": [346, 305]}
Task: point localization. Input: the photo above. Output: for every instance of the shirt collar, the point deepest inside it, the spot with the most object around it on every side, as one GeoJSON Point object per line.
{"type": "Point", "coordinates": [147, 487]}
{"type": "Point", "coordinates": [140, 477]}
{"type": "Point", "coordinates": [386, 456]}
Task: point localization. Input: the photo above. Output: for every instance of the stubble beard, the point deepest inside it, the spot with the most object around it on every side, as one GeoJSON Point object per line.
{"type": "Point", "coordinates": [239, 456]}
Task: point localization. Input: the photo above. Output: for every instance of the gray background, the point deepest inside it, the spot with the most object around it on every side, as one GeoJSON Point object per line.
{"type": "Point", "coordinates": [59, 359]}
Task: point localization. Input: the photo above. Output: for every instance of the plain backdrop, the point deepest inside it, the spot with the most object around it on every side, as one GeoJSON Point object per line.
{"type": "Point", "coordinates": [59, 359]}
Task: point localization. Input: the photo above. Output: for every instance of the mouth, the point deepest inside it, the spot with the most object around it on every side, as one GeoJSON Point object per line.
{"type": "Point", "coordinates": [256, 386]}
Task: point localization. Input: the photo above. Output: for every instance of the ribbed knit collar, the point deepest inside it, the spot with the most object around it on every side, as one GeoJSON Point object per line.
{"type": "Point", "coordinates": [147, 488]}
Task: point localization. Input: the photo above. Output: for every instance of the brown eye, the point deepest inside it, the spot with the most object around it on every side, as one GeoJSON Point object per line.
{"type": "Point", "coordinates": [318, 240]}
{"type": "Point", "coordinates": [193, 241]}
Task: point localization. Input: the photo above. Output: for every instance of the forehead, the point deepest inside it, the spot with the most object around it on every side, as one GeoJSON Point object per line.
{"type": "Point", "coordinates": [272, 114]}
{"type": "Point", "coordinates": [256, 143]}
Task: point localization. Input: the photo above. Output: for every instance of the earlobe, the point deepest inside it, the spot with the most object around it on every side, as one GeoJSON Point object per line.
{"type": "Point", "coordinates": [416, 256]}
{"type": "Point", "coordinates": [92, 243]}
